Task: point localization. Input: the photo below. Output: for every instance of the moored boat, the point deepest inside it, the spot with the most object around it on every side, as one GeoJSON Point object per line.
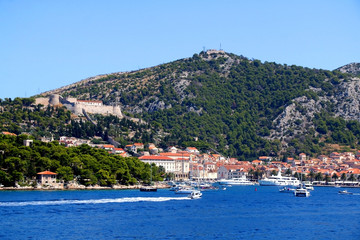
{"type": "Point", "coordinates": [185, 190]}
{"type": "Point", "coordinates": [148, 189]}
{"type": "Point", "coordinates": [301, 192]}
{"type": "Point", "coordinates": [236, 181]}
{"type": "Point", "coordinates": [286, 190]}
{"type": "Point", "coordinates": [308, 185]}
{"type": "Point", "coordinates": [278, 180]}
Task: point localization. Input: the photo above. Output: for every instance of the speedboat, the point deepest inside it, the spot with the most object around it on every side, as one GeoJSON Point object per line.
{"type": "Point", "coordinates": [301, 192]}
{"type": "Point", "coordinates": [286, 190]}
{"type": "Point", "coordinates": [345, 192]}
{"type": "Point", "coordinates": [195, 194]}
{"type": "Point", "coordinates": [278, 180]}
{"type": "Point", "coordinates": [236, 181]}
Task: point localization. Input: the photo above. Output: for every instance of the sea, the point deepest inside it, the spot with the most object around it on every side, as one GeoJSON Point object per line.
{"type": "Point", "coordinates": [239, 212]}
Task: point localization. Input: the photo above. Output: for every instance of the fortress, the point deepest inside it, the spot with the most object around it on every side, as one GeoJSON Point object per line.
{"type": "Point", "coordinates": [79, 106]}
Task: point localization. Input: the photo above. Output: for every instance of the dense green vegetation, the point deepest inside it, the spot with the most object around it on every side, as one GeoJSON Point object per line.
{"type": "Point", "coordinates": [21, 115]}
{"type": "Point", "coordinates": [212, 101]}
{"type": "Point", "coordinates": [225, 101]}
{"type": "Point", "coordinates": [90, 166]}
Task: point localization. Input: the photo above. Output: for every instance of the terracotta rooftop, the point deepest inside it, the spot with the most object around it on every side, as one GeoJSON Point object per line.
{"type": "Point", "coordinates": [47, 173]}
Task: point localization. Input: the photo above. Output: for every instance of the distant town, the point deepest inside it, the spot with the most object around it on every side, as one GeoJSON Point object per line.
{"type": "Point", "coordinates": [191, 164]}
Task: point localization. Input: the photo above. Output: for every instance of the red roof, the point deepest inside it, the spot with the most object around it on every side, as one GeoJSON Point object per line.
{"type": "Point", "coordinates": [47, 173]}
{"type": "Point", "coordinates": [108, 146]}
{"type": "Point", "coordinates": [175, 154]}
{"type": "Point", "coordinates": [155, 158]}
{"type": "Point", "coordinates": [9, 133]}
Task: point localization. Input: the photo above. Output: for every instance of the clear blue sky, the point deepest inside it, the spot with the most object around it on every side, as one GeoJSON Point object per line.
{"type": "Point", "coordinates": [52, 43]}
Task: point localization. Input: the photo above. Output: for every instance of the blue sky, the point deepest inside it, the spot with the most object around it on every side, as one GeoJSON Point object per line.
{"type": "Point", "coordinates": [49, 44]}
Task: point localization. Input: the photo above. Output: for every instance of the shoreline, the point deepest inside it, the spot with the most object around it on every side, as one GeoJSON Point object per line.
{"type": "Point", "coordinates": [115, 187]}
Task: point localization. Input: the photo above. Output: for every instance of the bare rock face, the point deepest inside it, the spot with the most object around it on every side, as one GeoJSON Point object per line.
{"type": "Point", "coordinates": [348, 100]}
{"type": "Point", "coordinates": [157, 105]}
{"type": "Point", "coordinates": [297, 118]}
{"type": "Point", "coordinates": [352, 68]}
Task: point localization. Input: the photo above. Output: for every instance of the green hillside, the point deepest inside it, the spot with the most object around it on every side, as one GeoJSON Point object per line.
{"type": "Point", "coordinates": [217, 100]}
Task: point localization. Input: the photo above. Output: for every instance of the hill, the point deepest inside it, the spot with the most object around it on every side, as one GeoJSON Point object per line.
{"type": "Point", "coordinates": [241, 107]}
{"type": "Point", "coordinates": [352, 68]}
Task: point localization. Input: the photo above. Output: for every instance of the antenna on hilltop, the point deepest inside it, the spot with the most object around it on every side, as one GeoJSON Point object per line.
{"type": "Point", "coordinates": [220, 47]}
{"type": "Point", "coordinates": [203, 49]}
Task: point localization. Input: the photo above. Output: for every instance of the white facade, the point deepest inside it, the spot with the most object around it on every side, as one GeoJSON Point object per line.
{"type": "Point", "coordinates": [167, 163]}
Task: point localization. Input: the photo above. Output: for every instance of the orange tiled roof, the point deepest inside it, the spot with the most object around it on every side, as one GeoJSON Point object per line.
{"type": "Point", "coordinates": [47, 173]}
{"type": "Point", "coordinates": [9, 133]}
{"type": "Point", "coordinates": [108, 146]}
{"type": "Point", "coordinates": [152, 157]}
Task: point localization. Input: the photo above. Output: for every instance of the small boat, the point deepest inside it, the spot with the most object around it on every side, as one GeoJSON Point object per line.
{"type": "Point", "coordinates": [175, 188]}
{"type": "Point", "coordinates": [185, 190]}
{"type": "Point", "coordinates": [206, 188]}
{"type": "Point", "coordinates": [345, 192]}
{"type": "Point", "coordinates": [286, 190]}
{"type": "Point", "coordinates": [195, 194]}
{"type": "Point", "coordinates": [308, 185]}
{"type": "Point", "coordinates": [301, 192]}
{"type": "Point", "coordinates": [236, 181]}
{"type": "Point", "coordinates": [148, 189]}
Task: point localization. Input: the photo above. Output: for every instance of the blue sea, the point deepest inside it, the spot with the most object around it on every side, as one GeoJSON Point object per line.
{"type": "Point", "coordinates": [240, 212]}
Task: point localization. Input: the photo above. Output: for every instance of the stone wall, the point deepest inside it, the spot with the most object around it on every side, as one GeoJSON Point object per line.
{"type": "Point", "coordinates": [77, 108]}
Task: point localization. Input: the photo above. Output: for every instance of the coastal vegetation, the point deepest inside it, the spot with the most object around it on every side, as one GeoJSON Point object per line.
{"type": "Point", "coordinates": [89, 166]}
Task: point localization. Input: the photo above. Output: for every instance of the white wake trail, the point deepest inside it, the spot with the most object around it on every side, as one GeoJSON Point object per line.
{"type": "Point", "coordinates": [92, 201]}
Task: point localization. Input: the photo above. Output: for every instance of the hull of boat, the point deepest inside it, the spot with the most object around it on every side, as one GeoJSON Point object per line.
{"type": "Point", "coordinates": [145, 189]}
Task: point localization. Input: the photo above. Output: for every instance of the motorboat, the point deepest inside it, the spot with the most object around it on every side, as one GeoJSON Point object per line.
{"type": "Point", "coordinates": [278, 180]}
{"type": "Point", "coordinates": [301, 192]}
{"type": "Point", "coordinates": [195, 194]}
{"type": "Point", "coordinates": [345, 192]}
{"type": "Point", "coordinates": [236, 181]}
{"type": "Point", "coordinates": [185, 190]}
{"type": "Point", "coordinates": [148, 189]}
{"type": "Point", "coordinates": [175, 188]}
{"type": "Point", "coordinates": [206, 188]}
{"type": "Point", "coordinates": [287, 190]}
{"type": "Point", "coordinates": [308, 185]}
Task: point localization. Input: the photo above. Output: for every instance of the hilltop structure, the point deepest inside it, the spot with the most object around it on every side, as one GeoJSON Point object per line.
{"type": "Point", "coordinates": [78, 106]}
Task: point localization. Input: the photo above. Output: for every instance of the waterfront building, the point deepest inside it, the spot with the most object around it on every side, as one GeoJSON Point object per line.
{"type": "Point", "coordinates": [46, 178]}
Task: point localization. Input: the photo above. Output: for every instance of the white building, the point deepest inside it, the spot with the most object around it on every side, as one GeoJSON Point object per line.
{"type": "Point", "coordinates": [167, 163]}
{"type": "Point", "coordinates": [230, 171]}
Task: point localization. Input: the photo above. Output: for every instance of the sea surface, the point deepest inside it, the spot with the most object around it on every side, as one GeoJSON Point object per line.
{"type": "Point", "coordinates": [239, 212]}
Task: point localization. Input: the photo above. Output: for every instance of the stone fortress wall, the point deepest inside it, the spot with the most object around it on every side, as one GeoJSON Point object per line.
{"type": "Point", "coordinates": [78, 106]}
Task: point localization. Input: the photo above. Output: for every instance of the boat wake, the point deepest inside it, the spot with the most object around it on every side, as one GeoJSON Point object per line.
{"type": "Point", "coordinates": [92, 201]}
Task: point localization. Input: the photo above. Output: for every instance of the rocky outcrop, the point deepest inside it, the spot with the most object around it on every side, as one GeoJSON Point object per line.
{"type": "Point", "coordinates": [297, 118]}
{"type": "Point", "coordinates": [352, 68]}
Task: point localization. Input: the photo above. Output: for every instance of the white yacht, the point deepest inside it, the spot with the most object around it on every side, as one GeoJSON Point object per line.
{"type": "Point", "coordinates": [236, 181]}
{"type": "Point", "coordinates": [279, 180]}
